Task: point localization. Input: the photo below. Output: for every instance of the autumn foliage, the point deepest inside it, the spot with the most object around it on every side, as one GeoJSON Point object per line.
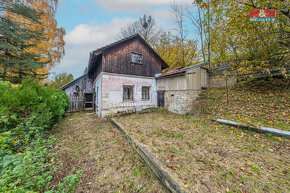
{"type": "Point", "coordinates": [51, 48]}
{"type": "Point", "coordinates": [176, 51]}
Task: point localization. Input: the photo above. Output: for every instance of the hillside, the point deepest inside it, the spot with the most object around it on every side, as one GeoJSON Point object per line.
{"type": "Point", "coordinates": [262, 102]}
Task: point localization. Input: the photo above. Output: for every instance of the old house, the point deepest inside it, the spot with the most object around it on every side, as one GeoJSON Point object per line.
{"type": "Point", "coordinates": [127, 76]}
{"type": "Point", "coordinates": [120, 77]}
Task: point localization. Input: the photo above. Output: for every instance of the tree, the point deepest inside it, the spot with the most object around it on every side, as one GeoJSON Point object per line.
{"type": "Point", "coordinates": [197, 26]}
{"type": "Point", "coordinates": [17, 61]}
{"type": "Point", "coordinates": [172, 48]}
{"type": "Point", "coordinates": [256, 46]}
{"type": "Point", "coordinates": [51, 48]}
{"type": "Point", "coordinates": [145, 26]}
{"type": "Point", "coordinates": [178, 14]}
{"type": "Point", "coordinates": [61, 79]}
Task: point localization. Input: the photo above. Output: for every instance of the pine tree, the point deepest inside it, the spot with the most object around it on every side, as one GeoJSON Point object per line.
{"type": "Point", "coordinates": [16, 62]}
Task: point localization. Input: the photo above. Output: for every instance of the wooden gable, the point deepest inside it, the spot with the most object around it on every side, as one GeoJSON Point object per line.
{"type": "Point", "coordinates": [117, 58]}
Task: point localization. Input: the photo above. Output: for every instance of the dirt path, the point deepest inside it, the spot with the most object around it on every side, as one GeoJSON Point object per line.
{"type": "Point", "coordinates": [109, 164]}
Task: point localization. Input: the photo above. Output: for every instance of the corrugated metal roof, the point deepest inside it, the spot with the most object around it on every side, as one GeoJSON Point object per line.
{"type": "Point", "coordinates": [179, 70]}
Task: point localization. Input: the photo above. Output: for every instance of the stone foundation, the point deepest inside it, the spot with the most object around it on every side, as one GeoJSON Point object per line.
{"type": "Point", "coordinates": [180, 101]}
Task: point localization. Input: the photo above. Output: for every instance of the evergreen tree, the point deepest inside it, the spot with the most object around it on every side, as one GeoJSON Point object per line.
{"type": "Point", "coordinates": [16, 62]}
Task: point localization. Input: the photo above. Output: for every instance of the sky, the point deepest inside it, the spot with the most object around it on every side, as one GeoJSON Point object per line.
{"type": "Point", "coordinates": [91, 24]}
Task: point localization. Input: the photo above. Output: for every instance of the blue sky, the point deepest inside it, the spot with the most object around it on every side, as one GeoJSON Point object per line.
{"type": "Point", "coordinates": [91, 24]}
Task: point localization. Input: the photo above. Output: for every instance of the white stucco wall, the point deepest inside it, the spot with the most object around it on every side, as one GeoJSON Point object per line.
{"type": "Point", "coordinates": [98, 94]}
{"type": "Point", "coordinates": [112, 93]}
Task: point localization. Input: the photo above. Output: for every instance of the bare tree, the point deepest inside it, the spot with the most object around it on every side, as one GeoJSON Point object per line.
{"type": "Point", "coordinates": [178, 13]}
{"type": "Point", "coordinates": [145, 26]}
{"type": "Point", "coordinates": [200, 15]}
{"type": "Point", "coordinates": [196, 20]}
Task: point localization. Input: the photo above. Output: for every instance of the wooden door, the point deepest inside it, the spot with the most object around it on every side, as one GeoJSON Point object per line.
{"type": "Point", "coordinates": [160, 99]}
{"type": "Point", "coordinates": [88, 100]}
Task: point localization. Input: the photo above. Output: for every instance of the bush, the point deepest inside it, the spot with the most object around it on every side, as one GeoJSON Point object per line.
{"type": "Point", "coordinates": [27, 113]}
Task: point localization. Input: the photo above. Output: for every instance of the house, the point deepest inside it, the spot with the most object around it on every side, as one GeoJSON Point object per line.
{"type": "Point", "coordinates": [177, 89]}
{"type": "Point", "coordinates": [120, 77]}
{"type": "Point", "coordinates": [126, 76]}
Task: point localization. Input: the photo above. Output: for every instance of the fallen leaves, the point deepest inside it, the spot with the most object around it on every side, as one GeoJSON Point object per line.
{"type": "Point", "coordinates": [262, 103]}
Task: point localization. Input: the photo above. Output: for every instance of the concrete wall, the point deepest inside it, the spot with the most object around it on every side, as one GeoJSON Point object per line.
{"type": "Point", "coordinates": [112, 93]}
{"type": "Point", "coordinates": [180, 101]}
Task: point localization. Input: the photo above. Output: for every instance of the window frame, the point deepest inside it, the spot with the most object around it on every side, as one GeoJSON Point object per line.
{"type": "Point", "coordinates": [138, 54]}
{"type": "Point", "coordinates": [131, 87]}
{"type": "Point", "coordinates": [148, 88]}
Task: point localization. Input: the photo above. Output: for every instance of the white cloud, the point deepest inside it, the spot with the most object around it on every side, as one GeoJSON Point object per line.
{"type": "Point", "coordinates": [133, 6]}
{"type": "Point", "coordinates": [83, 39]}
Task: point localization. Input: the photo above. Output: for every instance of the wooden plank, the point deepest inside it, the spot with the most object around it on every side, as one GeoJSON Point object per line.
{"type": "Point", "coordinates": [118, 60]}
{"type": "Point", "coordinates": [160, 170]}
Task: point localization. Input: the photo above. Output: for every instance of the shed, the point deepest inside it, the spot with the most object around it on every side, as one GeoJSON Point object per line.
{"type": "Point", "coordinates": [80, 92]}
{"type": "Point", "coordinates": [177, 89]}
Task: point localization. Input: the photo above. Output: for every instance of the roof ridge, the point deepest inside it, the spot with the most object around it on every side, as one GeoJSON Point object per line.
{"type": "Point", "coordinates": [68, 84]}
{"type": "Point", "coordinates": [116, 42]}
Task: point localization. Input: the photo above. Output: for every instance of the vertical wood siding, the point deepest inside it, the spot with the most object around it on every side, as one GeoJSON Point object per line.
{"type": "Point", "coordinates": [77, 98]}
{"type": "Point", "coordinates": [194, 79]}
{"type": "Point", "coordinates": [118, 59]}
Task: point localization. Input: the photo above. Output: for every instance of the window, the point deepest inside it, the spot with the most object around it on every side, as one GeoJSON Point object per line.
{"type": "Point", "coordinates": [128, 93]}
{"type": "Point", "coordinates": [136, 58]}
{"type": "Point", "coordinates": [145, 93]}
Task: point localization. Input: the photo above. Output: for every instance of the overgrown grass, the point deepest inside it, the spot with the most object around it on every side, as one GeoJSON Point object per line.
{"type": "Point", "coordinates": [260, 102]}
{"type": "Point", "coordinates": [210, 157]}
{"type": "Point", "coordinates": [93, 145]}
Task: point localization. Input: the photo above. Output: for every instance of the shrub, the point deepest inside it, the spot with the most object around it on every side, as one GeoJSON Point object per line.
{"type": "Point", "coordinates": [27, 113]}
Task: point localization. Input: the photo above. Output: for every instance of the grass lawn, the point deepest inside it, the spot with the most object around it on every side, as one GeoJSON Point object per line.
{"type": "Point", "coordinates": [257, 102]}
{"type": "Point", "coordinates": [90, 144]}
{"type": "Point", "coordinates": [210, 157]}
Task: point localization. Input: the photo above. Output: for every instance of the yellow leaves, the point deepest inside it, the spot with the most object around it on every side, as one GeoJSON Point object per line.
{"type": "Point", "coordinates": [52, 47]}
{"type": "Point", "coordinates": [185, 186]}
{"type": "Point", "coordinates": [249, 164]}
{"type": "Point", "coordinates": [16, 85]}
{"type": "Point", "coordinates": [242, 168]}
{"type": "Point", "coordinates": [177, 52]}
{"type": "Point", "coordinates": [283, 70]}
